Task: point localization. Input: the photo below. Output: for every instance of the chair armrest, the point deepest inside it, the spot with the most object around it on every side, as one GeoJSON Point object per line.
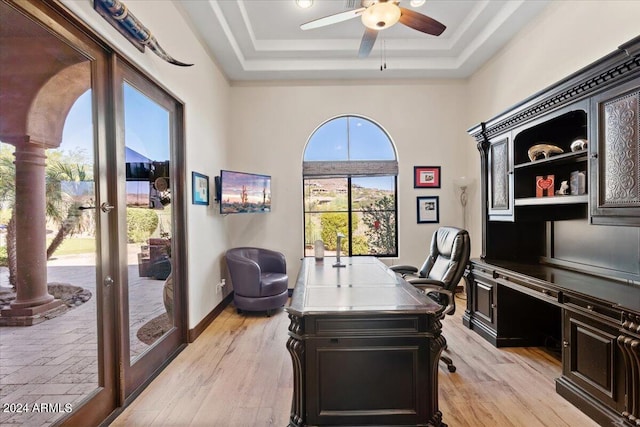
{"type": "Point", "coordinates": [426, 288]}
{"type": "Point", "coordinates": [403, 270]}
{"type": "Point", "coordinates": [245, 275]}
{"type": "Point", "coordinates": [425, 281]}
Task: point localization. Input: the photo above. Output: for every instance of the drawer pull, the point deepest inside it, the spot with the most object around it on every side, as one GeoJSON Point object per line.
{"type": "Point", "coordinates": [493, 306]}
{"type": "Point", "coordinates": [546, 292]}
{"type": "Point", "coordinates": [589, 307]}
{"type": "Point", "coordinates": [565, 344]}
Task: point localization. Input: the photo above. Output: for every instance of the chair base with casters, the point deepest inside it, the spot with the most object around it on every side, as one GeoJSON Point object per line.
{"type": "Point", "coordinates": [441, 272]}
{"type": "Point", "coordinates": [259, 279]}
{"type": "Point", "coordinates": [441, 296]}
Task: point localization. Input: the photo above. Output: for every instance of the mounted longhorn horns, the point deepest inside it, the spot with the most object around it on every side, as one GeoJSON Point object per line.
{"type": "Point", "coordinates": [118, 15]}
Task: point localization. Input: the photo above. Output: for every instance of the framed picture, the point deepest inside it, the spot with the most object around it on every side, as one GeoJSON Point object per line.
{"type": "Point", "coordinates": [428, 209]}
{"type": "Point", "coordinates": [200, 188]}
{"type": "Point", "coordinates": [426, 177]}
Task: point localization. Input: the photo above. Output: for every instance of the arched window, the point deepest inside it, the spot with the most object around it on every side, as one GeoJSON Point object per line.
{"type": "Point", "coordinates": [350, 173]}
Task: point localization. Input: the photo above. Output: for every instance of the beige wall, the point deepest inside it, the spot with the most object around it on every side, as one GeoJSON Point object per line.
{"type": "Point", "coordinates": [263, 128]}
{"type": "Point", "coordinates": [270, 125]}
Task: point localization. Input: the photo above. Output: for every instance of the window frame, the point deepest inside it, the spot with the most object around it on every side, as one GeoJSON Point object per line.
{"type": "Point", "coordinates": [349, 169]}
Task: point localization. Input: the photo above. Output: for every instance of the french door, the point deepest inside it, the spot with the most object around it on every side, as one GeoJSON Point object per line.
{"type": "Point", "coordinates": [150, 218]}
{"type": "Point", "coordinates": [99, 144]}
{"type": "Point", "coordinates": [54, 148]}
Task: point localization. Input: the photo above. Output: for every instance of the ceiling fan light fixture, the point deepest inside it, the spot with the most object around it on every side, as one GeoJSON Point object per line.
{"type": "Point", "coordinates": [381, 15]}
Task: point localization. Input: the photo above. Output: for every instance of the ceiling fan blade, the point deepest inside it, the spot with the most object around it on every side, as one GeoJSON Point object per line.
{"type": "Point", "coordinates": [421, 22]}
{"type": "Point", "coordinates": [333, 19]}
{"type": "Point", "coordinates": [368, 40]}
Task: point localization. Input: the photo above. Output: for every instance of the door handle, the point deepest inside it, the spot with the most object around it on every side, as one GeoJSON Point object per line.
{"type": "Point", "coordinates": [106, 207]}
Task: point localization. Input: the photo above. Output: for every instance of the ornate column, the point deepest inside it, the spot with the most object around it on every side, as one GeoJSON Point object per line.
{"type": "Point", "coordinates": [32, 296]}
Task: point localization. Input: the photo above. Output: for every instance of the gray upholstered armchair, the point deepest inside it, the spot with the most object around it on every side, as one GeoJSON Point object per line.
{"type": "Point", "coordinates": [259, 279]}
{"type": "Point", "coordinates": [442, 270]}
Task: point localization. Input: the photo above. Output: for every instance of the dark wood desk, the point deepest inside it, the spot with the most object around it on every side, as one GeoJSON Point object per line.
{"type": "Point", "coordinates": [364, 345]}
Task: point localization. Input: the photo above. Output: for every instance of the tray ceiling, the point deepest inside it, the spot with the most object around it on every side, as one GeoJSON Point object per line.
{"type": "Point", "coordinates": [262, 39]}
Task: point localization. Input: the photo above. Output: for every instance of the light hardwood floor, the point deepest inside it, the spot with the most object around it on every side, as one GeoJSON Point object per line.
{"type": "Point", "coordinates": [238, 373]}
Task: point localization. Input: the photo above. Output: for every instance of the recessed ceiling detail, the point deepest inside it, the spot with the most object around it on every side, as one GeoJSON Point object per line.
{"type": "Point", "coordinates": [262, 40]}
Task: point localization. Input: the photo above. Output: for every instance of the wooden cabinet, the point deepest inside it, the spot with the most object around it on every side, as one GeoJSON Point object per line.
{"type": "Point", "coordinates": [629, 345]}
{"type": "Point", "coordinates": [592, 364]}
{"type": "Point", "coordinates": [482, 304]}
{"type": "Point", "coordinates": [615, 157]}
{"type": "Point", "coordinates": [512, 176]}
{"type": "Point", "coordinates": [495, 302]}
{"type": "Point", "coordinates": [566, 131]}
{"type": "Point", "coordinates": [500, 179]}
{"type": "Point", "coordinates": [561, 270]}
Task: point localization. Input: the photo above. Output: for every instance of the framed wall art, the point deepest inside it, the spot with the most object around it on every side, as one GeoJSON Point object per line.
{"type": "Point", "coordinates": [428, 209]}
{"type": "Point", "coordinates": [426, 177]}
{"type": "Point", "coordinates": [200, 188]}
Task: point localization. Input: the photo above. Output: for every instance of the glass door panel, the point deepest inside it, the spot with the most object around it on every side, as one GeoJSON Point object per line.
{"type": "Point", "coordinates": [56, 337]}
{"type": "Point", "coordinates": [149, 219]}
{"type": "Point", "coordinates": [150, 210]}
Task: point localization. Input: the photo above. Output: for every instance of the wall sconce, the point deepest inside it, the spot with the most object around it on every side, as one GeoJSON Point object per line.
{"type": "Point", "coordinates": [462, 183]}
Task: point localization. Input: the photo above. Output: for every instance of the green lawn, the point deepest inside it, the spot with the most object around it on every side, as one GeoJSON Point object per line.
{"type": "Point", "coordinates": [71, 246]}
{"type": "Point", "coordinates": [75, 245]}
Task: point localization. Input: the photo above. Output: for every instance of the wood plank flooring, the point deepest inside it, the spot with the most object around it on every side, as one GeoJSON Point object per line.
{"type": "Point", "coordinates": [238, 373]}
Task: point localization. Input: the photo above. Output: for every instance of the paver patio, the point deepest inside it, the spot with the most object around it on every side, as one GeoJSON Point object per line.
{"type": "Point", "coordinates": [56, 361]}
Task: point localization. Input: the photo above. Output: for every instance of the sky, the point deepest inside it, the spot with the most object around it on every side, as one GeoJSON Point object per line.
{"type": "Point", "coordinates": [147, 133]}
{"type": "Point", "coordinates": [146, 126]}
{"type": "Point", "coordinates": [352, 138]}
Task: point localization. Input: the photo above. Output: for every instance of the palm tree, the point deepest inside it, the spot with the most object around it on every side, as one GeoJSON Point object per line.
{"type": "Point", "coordinates": [64, 189]}
{"type": "Point", "coordinates": [65, 193]}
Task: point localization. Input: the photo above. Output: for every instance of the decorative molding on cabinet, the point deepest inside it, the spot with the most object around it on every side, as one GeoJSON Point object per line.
{"type": "Point", "coordinates": [610, 70]}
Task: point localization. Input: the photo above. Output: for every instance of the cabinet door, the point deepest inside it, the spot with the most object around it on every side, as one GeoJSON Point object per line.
{"type": "Point", "coordinates": [592, 360]}
{"type": "Point", "coordinates": [484, 303]}
{"type": "Point", "coordinates": [500, 169]}
{"type": "Point", "coordinates": [615, 156]}
{"type": "Point", "coordinates": [481, 312]}
{"type": "Point", "coordinates": [366, 381]}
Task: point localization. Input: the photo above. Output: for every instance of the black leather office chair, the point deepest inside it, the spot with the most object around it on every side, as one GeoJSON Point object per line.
{"type": "Point", "coordinates": [442, 270]}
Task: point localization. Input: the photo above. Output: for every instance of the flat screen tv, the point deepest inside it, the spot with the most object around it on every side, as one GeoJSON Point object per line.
{"type": "Point", "coordinates": [242, 192]}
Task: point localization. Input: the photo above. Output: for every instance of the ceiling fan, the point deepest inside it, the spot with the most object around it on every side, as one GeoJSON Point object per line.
{"type": "Point", "coordinates": [377, 15]}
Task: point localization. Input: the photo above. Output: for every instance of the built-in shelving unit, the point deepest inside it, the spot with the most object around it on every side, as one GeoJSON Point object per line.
{"type": "Point", "coordinates": [555, 200]}
{"type": "Point", "coordinates": [558, 269]}
{"type": "Point", "coordinates": [564, 158]}
{"type": "Point", "coordinates": [559, 131]}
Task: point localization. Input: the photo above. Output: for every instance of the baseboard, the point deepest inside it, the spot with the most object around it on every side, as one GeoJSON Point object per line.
{"type": "Point", "coordinates": [206, 321]}
{"type": "Point", "coordinates": [597, 411]}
